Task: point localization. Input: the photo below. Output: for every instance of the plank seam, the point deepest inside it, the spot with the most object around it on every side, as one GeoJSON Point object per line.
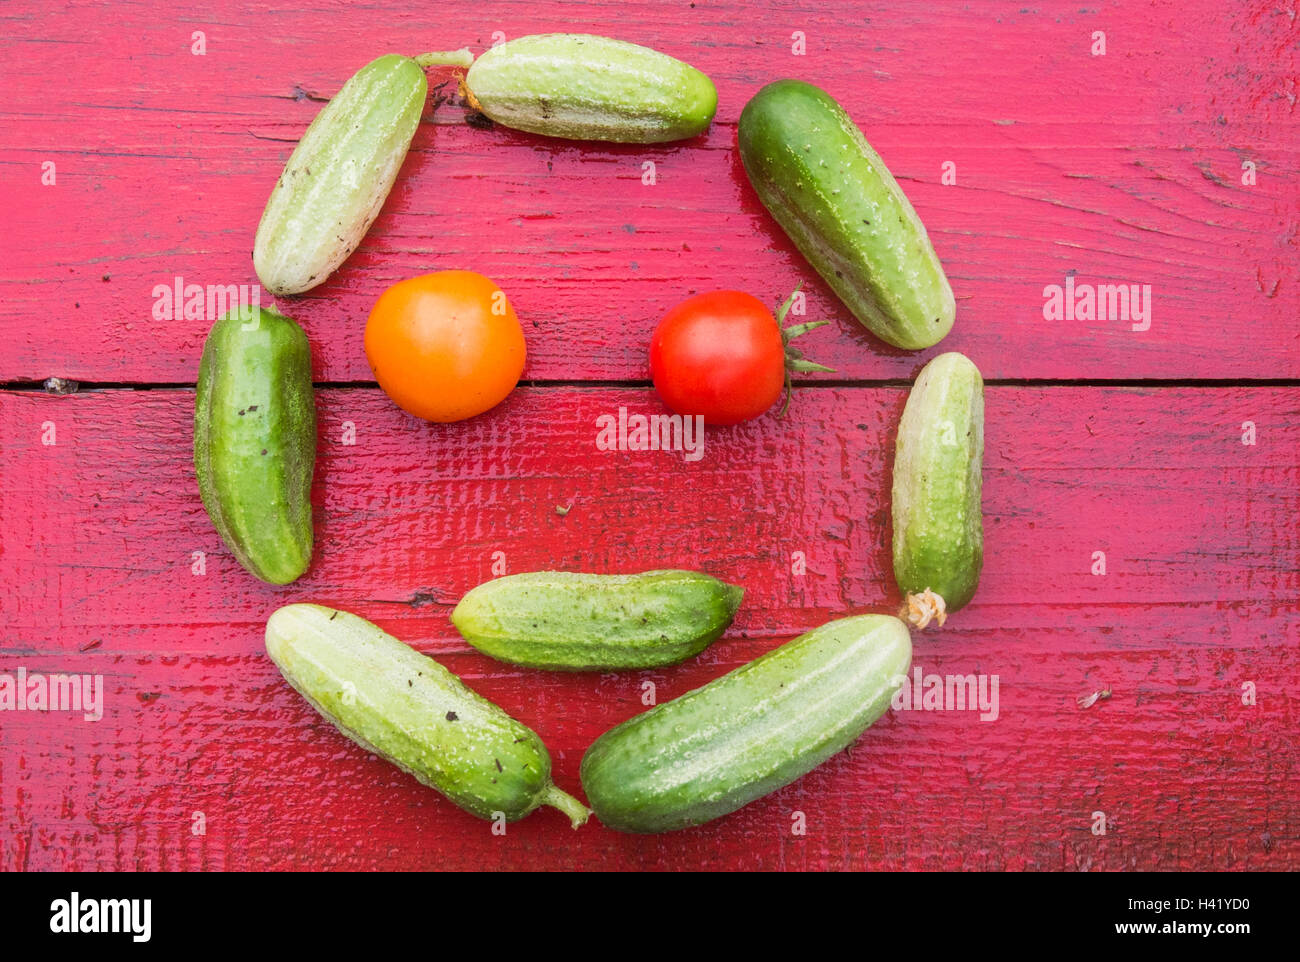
{"type": "Point", "coordinates": [36, 387]}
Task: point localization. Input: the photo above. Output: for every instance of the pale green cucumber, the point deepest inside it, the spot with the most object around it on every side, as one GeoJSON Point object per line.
{"type": "Point", "coordinates": [748, 733]}
{"type": "Point", "coordinates": [570, 621]}
{"type": "Point", "coordinates": [408, 709]}
{"type": "Point", "coordinates": [832, 194]}
{"type": "Point", "coordinates": [255, 441]}
{"type": "Point", "coordinates": [938, 462]}
{"type": "Point", "coordinates": [585, 87]}
{"type": "Point", "coordinates": [338, 176]}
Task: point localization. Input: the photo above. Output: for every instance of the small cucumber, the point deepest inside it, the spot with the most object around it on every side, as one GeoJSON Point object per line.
{"type": "Point", "coordinates": [748, 733]}
{"type": "Point", "coordinates": [255, 441]}
{"type": "Point", "coordinates": [575, 622]}
{"type": "Point", "coordinates": [938, 528]}
{"type": "Point", "coordinates": [338, 176]}
{"type": "Point", "coordinates": [584, 87]}
{"type": "Point", "coordinates": [408, 709]}
{"type": "Point", "coordinates": [834, 196]}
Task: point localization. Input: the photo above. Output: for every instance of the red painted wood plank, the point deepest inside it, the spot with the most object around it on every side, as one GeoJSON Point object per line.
{"type": "Point", "coordinates": [1122, 168]}
{"type": "Point", "coordinates": [412, 512]}
{"type": "Point", "coordinates": [1199, 597]}
{"type": "Point", "coordinates": [278, 788]}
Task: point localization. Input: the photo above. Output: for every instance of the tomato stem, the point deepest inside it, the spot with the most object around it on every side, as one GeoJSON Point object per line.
{"type": "Point", "coordinates": [797, 329]}
{"type": "Point", "coordinates": [794, 359]}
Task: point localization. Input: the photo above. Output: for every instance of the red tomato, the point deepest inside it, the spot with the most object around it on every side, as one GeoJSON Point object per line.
{"type": "Point", "coordinates": [721, 355]}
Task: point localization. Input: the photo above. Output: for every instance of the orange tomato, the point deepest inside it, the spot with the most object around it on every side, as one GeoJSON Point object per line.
{"type": "Point", "coordinates": [445, 346]}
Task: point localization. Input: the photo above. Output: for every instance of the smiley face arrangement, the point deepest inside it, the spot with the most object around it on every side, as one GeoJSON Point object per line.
{"type": "Point", "coordinates": [448, 346]}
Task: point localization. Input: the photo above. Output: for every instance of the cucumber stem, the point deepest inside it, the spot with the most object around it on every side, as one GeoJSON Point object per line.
{"type": "Point", "coordinates": [453, 58]}
{"type": "Point", "coordinates": [570, 806]}
{"type": "Point", "coordinates": [446, 58]}
{"type": "Point", "coordinates": [924, 607]}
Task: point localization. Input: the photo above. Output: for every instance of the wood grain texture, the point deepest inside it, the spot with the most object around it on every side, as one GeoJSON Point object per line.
{"type": "Point", "coordinates": [1200, 596]}
{"type": "Point", "coordinates": [1123, 168]}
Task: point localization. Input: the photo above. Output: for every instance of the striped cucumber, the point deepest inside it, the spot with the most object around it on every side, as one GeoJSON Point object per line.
{"type": "Point", "coordinates": [255, 441]}
{"type": "Point", "coordinates": [750, 732]}
{"type": "Point", "coordinates": [585, 87]}
{"type": "Point", "coordinates": [834, 196]}
{"type": "Point", "coordinates": [338, 176]}
{"type": "Point", "coordinates": [408, 709]}
{"type": "Point", "coordinates": [938, 527]}
{"type": "Point", "coordinates": [568, 621]}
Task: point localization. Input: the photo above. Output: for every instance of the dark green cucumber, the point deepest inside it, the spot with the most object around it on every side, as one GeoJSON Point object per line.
{"type": "Point", "coordinates": [750, 732]}
{"type": "Point", "coordinates": [408, 709]}
{"type": "Point", "coordinates": [569, 621]}
{"type": "Point", "coordinates": [585, 87]}
{"type": "Point", "coordinates": [834, 196]}
{"type": "Point", "coordinates": [938, 527]}
{"type": "Point", "coordinates": [255, 441]}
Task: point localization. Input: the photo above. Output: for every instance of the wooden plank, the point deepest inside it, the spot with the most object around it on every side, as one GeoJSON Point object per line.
{"type": "Point", "coordinates": [1123, 168]}
{"type": "Point", "coordinates": [1199, 596]}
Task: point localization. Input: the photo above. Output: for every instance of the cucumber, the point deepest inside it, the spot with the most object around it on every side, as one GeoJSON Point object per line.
{"type": "Point", "coordinates": [408, 709]}
{"type": "Point", "coordinates": [568, 621]}
{"type": "Point", "coordinates": [834, 196]}
{"type": "Point", "coordinates": [338, 176]}
{"type": "Point", "coordinates": [938, 528]}
{"type": "Point", "coordinates": [719, 747]}
{"type": "Point", "coordinates": [584, 87]}
{"type": "Point", "coordinates": [255, 441]}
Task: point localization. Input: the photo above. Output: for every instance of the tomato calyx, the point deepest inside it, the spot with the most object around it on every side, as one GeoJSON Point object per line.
{"type": "Point", "coordinates": [794, 359]}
